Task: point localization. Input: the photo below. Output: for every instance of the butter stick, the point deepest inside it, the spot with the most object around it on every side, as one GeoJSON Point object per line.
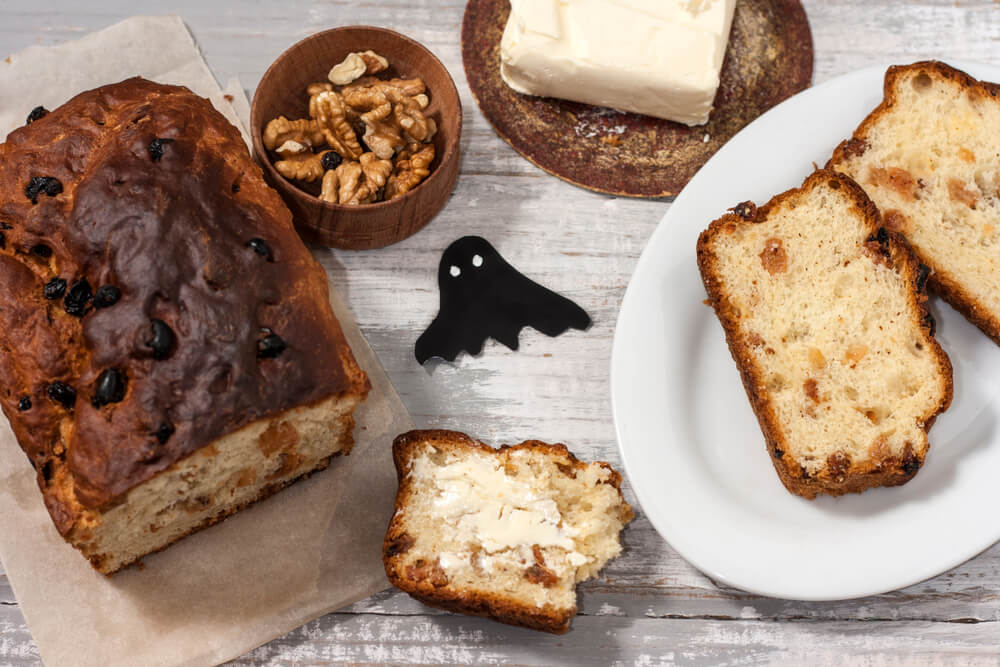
{"type": "Point", "coordinates": [661, 58]}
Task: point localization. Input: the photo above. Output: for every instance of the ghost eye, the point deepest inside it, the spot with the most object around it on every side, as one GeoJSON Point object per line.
{"type": "Point", "coordinates": [477, 260]}
{"type": "Point", "coordinates": [454, 271]}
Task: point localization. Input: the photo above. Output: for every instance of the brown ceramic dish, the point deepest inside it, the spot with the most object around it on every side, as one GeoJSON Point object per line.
{"type": "Point", "coordinates": [769, 58]}
{"type": "Point", "coordinates": [282, 92]}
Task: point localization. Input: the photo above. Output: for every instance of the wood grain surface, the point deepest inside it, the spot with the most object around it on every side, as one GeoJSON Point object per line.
{"type": "Point", "coordinates": [648, 607]}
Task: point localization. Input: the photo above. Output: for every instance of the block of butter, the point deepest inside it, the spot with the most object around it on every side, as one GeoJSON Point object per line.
{"type": "Point", "coordinates": [656, 57]}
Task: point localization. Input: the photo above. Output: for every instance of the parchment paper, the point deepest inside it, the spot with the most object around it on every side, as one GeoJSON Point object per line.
{"type": "Point", "coordinates": [310, 549]}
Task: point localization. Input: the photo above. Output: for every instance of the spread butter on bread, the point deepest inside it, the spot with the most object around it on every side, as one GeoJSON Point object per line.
{"type": "Point", "coordinates": [504, 533]}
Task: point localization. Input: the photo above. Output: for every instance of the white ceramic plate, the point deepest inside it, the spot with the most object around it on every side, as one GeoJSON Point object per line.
{"type": "Point", "coordinates": [692, 447]}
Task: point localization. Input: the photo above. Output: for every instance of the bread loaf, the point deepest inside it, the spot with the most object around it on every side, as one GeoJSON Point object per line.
{"type": "Point", "coordinates": [929, 157]}
{"type": "Point", "coordinates": [167, 349]}
{"type": "Point", "coordinates": [504, 533]}
{"type": "Point", "coordinates": [823, 313]}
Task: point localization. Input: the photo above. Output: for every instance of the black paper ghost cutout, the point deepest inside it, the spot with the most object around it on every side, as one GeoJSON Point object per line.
{"type": "Point", "coordinates": [482, 296]}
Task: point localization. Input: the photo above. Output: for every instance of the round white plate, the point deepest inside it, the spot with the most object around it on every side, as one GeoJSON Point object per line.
{"type": "Point", "coordinates": [692, 447]}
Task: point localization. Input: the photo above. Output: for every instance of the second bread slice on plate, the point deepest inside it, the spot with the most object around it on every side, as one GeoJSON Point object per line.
{"type": "Point", "coordinates": [929, 157]}
{"type": "Point", "coordinates": [823, 313]}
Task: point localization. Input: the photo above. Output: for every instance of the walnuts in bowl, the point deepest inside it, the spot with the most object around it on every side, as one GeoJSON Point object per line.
{"type": "Point", "coordinates": [366, 139]}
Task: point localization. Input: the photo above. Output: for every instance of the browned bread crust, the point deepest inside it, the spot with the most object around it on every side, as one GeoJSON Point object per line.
{"type": "Point", "coordinates": [154, 193]}
{"type": "Point", "coordinates": [940, 280]}
{"type": "Point", "coordinates": [839, 475]}
{"type": "Point", "coordinates": [505, 609]}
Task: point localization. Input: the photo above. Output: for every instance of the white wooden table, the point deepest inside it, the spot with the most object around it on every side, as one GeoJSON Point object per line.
{"type": "Point", "coordinates": [649, 606]}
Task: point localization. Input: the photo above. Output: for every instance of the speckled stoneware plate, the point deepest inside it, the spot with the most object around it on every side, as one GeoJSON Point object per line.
{"type": "Point", "coordinates": [692, 448]}
{"type": "Point", "coordinates": [769, 58]}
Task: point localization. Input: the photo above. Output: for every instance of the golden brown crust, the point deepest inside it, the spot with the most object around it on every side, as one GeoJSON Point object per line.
{"type": "Point", "coordinates": [159, 198]}
{"type": "Point", "coordinates": [940, 281]}
{"type": "Point", "coordinates": [476, 603]}
{"type": "Point", "coordinates": [842, 476]}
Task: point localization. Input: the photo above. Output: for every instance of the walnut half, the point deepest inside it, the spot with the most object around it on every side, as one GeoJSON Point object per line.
{"type": "Point", "coordinates": [356, 65]}
{"type": "Point", "coordinates": [306, 167]}
{"type": "Point", "coordinates": [328, 109]}
{"type": "Point", "coordinates": [348, 184]}
{"type": "Point", "coordinates": [412, 166]}
{"type": "Point", "coordinates": [376, 171]}
{"type": "Point", "coordinates": [382, 135]}
{"type": "Point", "coordinates": [303, 131]}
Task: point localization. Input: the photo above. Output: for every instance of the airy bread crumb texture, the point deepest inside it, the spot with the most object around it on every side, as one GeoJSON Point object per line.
{"type": "Point", "coordinates": [823, 316]}
{"type": "Point", "coordinates": [210, 484]}
{"type": "Point", "coordinates": [929, 157]}
{"type": "Point", "coordinates": [504, 533]}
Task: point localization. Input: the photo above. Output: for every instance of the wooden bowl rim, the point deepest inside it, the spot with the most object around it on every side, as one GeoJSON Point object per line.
{"type": "Point", "coordinates": [451, 145]}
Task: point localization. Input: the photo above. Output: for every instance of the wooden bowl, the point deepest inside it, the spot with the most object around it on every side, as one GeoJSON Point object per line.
{"type": "Point", "coordinates": [281, 92]}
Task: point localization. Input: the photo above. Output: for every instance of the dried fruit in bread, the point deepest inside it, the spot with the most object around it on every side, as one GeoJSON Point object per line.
{"type": "Point", "coordinates": [823, 316]}
{"type": "Point", "coordinates": [167, 347]}
{"type": "Point", "coordinates": [929, 157]}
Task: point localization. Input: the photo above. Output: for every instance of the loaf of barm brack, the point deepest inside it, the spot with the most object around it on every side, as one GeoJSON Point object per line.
{"type": "Point", "coordinates": [503, 533]}
{"type": "Point", "coordinates": [929, 157]}
{"type": "Point", "coordinates": [168, 353]}
{"type": "Point", "coordinates": [823, 311]}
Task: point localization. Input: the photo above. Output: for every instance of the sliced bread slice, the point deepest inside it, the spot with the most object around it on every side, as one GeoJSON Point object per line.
{"type": "Point", "coordinates": [504, 533]}
{"type": "Point", "coordinates": [929, 157]}
{"type": "Point", "coordinates": [824, 316]}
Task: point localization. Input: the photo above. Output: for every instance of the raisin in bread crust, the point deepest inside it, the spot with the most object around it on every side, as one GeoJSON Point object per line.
{"type": "Point", "coordinates": [838, 474]}
{"type": "Point", "coordinates": [149, 189]}
{"type": "Point", "coordinates": [850, 157]}
{"type": "Point", "coordinates": [435, 589]}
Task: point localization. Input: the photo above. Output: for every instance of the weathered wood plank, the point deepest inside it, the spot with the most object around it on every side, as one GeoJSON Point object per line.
{"type": "Point", "coordinates": [648, 606]}
{"type": "Point", "coordinates": [651, 581]}
{"type": "Point", "coordinates": [346, 638]}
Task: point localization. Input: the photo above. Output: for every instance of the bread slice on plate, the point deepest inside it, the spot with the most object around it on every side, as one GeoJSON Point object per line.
{"type": "Point", "coordinates": [929, 157]}
{"type": "Point", "coordinates": [504, 533]}
{"type": "Point", "coordinates": [824, 316]}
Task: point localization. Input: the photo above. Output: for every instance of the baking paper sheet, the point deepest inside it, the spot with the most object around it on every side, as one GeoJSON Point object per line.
{"type": "Point", "coordinates": [215, 595]}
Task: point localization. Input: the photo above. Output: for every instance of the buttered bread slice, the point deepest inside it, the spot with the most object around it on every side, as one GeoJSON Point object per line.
{"type": "Point", "coordinates": [929, 157]}
{"type": "Point", "coordinates": [504, 533]}
{"type": "Point", "coordinates": [824, 316]}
